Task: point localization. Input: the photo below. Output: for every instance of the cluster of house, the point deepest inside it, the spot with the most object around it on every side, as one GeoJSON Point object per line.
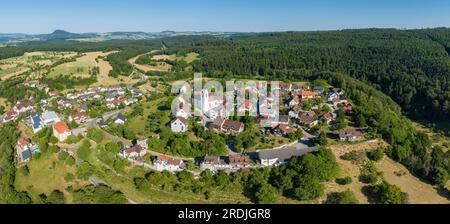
{"type": "Point", "coordinates": [216, 109]}
{"type": "Point", "coordinates": [25, 148]}
{"type": "Point", "coordinates": [231, 162]}
{"type": "Point", "coordinates": [113, 96]}
{"type": "Point", "coordinates": [21, 107]}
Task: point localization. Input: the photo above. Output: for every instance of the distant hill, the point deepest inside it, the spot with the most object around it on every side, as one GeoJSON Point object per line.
{"type": "Point", "coordinates": [65, 35]}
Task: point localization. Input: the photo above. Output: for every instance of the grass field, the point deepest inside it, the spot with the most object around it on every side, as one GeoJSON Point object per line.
{"type": "Point", "coordinates": [46, 174]}
{"type": "Point", "coordinates": [418, 191]}
{"type": "Point", "coordinates": [137, 124]}
{"type": "Point", "coordinates": [82, 66]}
{"type": "Point", "coordinates": [189, 58]}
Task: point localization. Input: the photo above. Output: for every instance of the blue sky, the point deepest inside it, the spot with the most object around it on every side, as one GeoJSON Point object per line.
{"type": "Point", "coordinates": [44, 16]}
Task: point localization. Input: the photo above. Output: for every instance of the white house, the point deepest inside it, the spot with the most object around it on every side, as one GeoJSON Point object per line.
{"type": "Point", "coordinates": [167, 163]}
{"type": "Point", "coordinates": [179, 125]}
{"type": "Point", "coordinates": [133, 152]}
{"type": "Point", "coordinates": [120, 119]}
{"type": "Point", "coordinates": [50, 117]}
{"type": "Point", "coordinates": [333, 96]}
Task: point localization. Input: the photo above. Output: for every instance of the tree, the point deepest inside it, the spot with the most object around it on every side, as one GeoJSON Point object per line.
{"type": "Point", "coordinates": [266, 194]}
{"type": "Point", "coordinates": [375, 155]}
{"type": "Point", "coordinates": [322, 138]}
{"type": "Point", "coordinates": [56, 197]}
{"type": "Point", "coordinates": [386, 193]}
{"type": "Point", "coordinates": [298, 135]}
{"type": "Point", "coordinates": [369, 173]}
{"type": "Point", "coordinates": [309, 188]}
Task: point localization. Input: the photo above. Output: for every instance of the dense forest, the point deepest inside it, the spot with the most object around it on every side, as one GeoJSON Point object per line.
{"type": "Point", "coordinates": [411, 66]}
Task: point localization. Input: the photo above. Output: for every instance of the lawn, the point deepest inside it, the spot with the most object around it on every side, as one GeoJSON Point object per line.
{"type": "Point", "coordinates": [138, 123]}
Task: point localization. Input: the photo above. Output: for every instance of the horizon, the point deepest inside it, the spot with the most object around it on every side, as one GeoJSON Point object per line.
{"type": "Point", "coordinates": [101, 16]}
{"type": "Point", "coordinates": [199, 31]}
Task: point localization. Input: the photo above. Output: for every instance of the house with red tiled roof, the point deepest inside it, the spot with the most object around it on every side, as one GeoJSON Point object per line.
{"type": "Point", "coordinates": [61, 131]}
{"type": "Point", "coordinates": [134, 151]}
{"type": "Point", "coordinates": [10, 115]}
{"type": "Point", "coordinates": [304, 95]}
{"type": "Point", "coordinates": [350, 134]}
{"type": "Point", "coordinates": [326, 117]}
{"type": "Point", "coordinates": [78, 116]}
{"type": "Point", "coordinates": [23, 106]}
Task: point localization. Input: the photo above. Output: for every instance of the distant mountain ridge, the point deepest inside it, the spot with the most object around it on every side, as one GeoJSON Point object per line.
{"type": "Point", "coordinates": [13, 38]}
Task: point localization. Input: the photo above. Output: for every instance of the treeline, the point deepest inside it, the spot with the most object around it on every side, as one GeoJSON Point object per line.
{"type": "Point", "coordinates": [411, 66]}
{"type": "Point", "coordinates": [8, 193]}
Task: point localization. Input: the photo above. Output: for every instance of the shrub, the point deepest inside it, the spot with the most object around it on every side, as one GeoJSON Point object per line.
{"type": "Point", "coordinates": [70, 161]}
{"type": "Point", "coordinates": [369, 173]}
{"type": "Point", "coordinates": [386, 193]}
{"type": "Point", "coordinates": [375, 155]}
{"type": "Point", "coordinates": [344, 181]}
{"type": "Point", "coordinates": [345, 197]}
{"type": "Point", "coordinates": [63, 155]}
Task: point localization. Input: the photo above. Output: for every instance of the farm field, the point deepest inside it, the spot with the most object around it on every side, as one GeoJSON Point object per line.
{"type": "Point", "coordinates": [37, 61]}
{"type": "Point", "coordinates": [82, 67]}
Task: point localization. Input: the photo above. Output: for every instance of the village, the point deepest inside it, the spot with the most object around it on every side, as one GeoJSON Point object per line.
{"type": "Point", "coordinates": [303, 109]}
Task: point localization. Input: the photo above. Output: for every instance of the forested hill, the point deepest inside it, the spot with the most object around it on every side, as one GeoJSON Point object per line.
{"type": "Point", "coordinates": [411, 66]}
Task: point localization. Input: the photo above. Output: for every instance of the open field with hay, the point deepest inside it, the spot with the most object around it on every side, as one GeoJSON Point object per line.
{"type": "Point", "coordinates": [418, 191]}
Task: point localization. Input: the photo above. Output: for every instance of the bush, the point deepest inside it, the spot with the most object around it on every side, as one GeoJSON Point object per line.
{"type": "Point", "coordinates": [375, 155]}
{"type": "Point", "coordinates": [386, 193]}
{"type": "Point", "coordinates": [345, 197]}
{"type": "Point", "coordinates": [369, 173]}
{"type": "Point", "coordinates": [53, 149]}
{"type": "Point", "coordinates": [63, 155]}
{"type": "Point", "coordinates": [344, 181]}
{"type": "Point", "coordinates": [354, 156]}
{"type": "Point", "coordinates": [70, 161]}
